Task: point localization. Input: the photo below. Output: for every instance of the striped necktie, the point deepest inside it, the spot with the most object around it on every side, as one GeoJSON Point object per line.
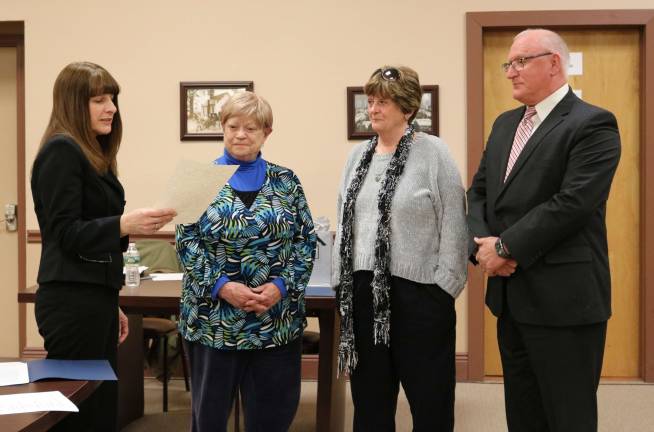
{"type": "Point", "coordinates": [522, 135]}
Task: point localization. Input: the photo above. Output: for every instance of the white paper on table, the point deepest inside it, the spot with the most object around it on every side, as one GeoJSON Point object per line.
{"type": "Point", "coordinates": [12, 373]}
{"type": "Point", "coordinates": [167, 276]}
{"type": "Point", "coordinates": [192, 187]}
{"type": "Point", "coordinates": [33, 402]}
{"type": "Point", "coordinates": [141, 269]}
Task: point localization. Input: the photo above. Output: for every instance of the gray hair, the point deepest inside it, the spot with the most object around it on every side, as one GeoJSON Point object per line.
{"type": "Point", "coordinates": [553, 43]}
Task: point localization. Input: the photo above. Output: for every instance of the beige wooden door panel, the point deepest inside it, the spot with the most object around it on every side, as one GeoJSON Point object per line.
{"type": "Point", "coordinates": [611, 79]}
{"type": "Point", "coordinates": [8, 194]}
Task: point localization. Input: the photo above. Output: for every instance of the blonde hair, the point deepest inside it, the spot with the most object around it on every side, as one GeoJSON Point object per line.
{"type": "Point", "coordinates": [248, 104]}
{"type": "Point", "coordinates": [405, 91]}
{"type": "Point", "coordinates": [75, 85]}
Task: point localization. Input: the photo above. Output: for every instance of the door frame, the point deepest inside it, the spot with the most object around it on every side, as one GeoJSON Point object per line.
{"type": "Point", "coordinates": [12, 35]}
{"type": "Point", "coordinates": [643, 20]}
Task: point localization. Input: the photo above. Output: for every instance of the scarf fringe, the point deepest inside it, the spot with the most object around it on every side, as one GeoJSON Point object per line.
{"type": "Point", "coordinates": [381, 284]}
{"type": "Point", "coordinates": [347, 360]}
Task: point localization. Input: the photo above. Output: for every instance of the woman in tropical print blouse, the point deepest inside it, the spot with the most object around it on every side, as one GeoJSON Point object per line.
{"type": "Point", "coordinates": [246, 262]}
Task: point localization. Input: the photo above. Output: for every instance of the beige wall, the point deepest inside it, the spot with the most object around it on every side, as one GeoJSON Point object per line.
{"type": "Point", "coordinates": [301, 56]}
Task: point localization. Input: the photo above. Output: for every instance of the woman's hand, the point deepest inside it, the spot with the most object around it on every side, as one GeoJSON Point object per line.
{"type": "Point", "coordinates": [238, 295]}
{"type": "Point", "coordinates": [145, 220]}
{"type": "Point", "coordinates": [269, 295]}
{"type": "Point", "coordinates": [123, 326]}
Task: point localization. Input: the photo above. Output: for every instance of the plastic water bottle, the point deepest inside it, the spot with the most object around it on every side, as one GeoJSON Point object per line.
{"type": "Point", "coordinates": [132, 260]}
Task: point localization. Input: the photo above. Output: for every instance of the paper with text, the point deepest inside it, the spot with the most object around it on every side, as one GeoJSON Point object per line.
{"type": "Point", "coordinates": [192, 187]}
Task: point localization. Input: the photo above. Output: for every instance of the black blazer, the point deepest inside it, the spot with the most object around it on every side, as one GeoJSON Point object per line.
{"type": "Point", "coordinates": [551, 213]}
{"type": "Point", "coordinates": [79, 217]}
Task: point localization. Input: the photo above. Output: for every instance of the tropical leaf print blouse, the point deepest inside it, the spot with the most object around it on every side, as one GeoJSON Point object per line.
{"type": "Point", "coordinates": [273, 238]}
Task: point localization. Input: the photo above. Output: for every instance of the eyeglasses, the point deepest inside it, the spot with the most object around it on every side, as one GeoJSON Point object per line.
{"type": "Point", "coordinates": [520, 63]}
{"type": "Point", "coordinates": [388, 74]}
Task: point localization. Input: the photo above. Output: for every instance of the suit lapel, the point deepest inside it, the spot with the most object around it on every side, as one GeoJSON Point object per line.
{"type": "Point", "coordinates": [553, 119]}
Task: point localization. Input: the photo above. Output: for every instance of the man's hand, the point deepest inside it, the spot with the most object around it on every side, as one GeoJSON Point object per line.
{"type": "Point", "coordinates": [490, 262]}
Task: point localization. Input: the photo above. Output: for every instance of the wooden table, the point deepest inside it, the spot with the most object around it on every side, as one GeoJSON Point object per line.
{"type": "Point", "coordinates": [76, 391]}
{"type": "Point", "coordinates": [163, 297]}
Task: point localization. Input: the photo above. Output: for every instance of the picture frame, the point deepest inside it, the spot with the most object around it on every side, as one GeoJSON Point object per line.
{"type": "Point", "coordinates": [199, 107]}
{"type": "Point", "coordinates": [358, 122]}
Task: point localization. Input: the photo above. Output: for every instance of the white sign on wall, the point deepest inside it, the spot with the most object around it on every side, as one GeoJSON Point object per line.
{"type": "Point", "coordinates": [576, 64]}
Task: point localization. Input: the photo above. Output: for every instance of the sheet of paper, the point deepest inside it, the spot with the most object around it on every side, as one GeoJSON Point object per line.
{"type": "Point", "coordinates": [141, 269]}
{"type": "Point", "coordinates": [167, 276]}
{"type": "Point", "coordinates": [192, 187]}
{"type": "Point", "coordinates": [33, 402]}
{"type": "Point", "coordinates": [12, 373]}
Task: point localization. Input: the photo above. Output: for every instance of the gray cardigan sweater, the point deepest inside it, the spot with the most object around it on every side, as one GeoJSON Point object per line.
{"type": "Point", "coordinates": [428, 226]}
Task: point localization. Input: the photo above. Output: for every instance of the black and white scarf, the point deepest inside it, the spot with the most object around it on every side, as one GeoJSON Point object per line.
{"type": "Point", "coordinates": [381, 283]}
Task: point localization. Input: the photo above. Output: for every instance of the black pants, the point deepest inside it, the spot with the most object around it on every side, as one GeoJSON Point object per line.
{"type": "Point", "coordinates": [80, 322]}
{"type": "Point", "coordinates": [420, 357]}
{"type": "Point", "coordinates": [551, 375]}
{"type": "Point", "coordinates": [269, 382]}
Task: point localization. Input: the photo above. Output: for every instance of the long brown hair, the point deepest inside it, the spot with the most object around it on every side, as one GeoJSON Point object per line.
{"type": "Point", "coordinates": [76, 84]}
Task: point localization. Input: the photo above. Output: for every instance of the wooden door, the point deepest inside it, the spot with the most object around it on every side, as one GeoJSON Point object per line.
{"type": "Point", "coordinates": [611, 79]}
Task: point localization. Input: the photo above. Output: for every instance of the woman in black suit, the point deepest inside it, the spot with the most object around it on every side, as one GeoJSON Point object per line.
{"type": "Point", "coordinates": [79, 204]}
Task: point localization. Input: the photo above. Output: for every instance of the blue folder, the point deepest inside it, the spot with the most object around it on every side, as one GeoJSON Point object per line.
{"type": "Point", "coordinates": [89, 370]}
{"type": "Point", "coordinates": [319, 291]}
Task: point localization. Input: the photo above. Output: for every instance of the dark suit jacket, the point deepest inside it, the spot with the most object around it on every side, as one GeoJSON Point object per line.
{"type": "Point", "coordinates": [79, 217]}
{"type": "Point", "coordinates": [551, 213]}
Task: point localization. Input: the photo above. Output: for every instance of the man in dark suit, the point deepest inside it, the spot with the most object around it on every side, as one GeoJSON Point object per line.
{"type": "Point", "coordinates": [537, 210]}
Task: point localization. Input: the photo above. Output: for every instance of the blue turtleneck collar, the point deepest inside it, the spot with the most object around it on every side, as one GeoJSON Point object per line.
{"type": "Point", "coordinates": [249, 176]}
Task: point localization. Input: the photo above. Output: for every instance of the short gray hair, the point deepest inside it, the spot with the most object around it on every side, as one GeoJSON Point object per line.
{"type": "Point", "coordinates": [248, 104]}
{"type": "Point", "coordinates": [553, 42]}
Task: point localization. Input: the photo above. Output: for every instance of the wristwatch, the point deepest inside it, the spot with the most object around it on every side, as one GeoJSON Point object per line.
{"type": "Point", "coordinates": [500, 249]}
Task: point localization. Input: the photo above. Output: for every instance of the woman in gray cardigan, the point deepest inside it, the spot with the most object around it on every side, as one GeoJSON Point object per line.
{"type": "Point", "coordinates": [399, 263]}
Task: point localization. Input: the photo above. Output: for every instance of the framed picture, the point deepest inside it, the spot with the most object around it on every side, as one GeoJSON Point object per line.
{"type": "Point", "coordinates": [200, 104]}
{"type": "Point", "coordinates": [358, 122]}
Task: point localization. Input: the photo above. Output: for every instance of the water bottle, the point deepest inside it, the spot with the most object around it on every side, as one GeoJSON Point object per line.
{"type": "Point", "coordinates": [132, 260]}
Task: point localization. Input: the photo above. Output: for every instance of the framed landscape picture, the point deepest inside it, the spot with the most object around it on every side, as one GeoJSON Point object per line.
{"type": "Point", "coordinates": [200, 104]}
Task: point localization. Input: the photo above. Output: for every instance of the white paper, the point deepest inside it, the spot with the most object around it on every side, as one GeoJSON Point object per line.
{"type": "Point", "coordinates": [576, 64]}
{"type": "Point", "coordinates": [33, 402]}
{"type": "Point", "coordinates": [192, 187]}
{"type": "Point", "coordinates": [12, 373]}
{"type": "Point", "coordinates": [141, 269]}
{"type": "Point", "coordinates": [167, 276]}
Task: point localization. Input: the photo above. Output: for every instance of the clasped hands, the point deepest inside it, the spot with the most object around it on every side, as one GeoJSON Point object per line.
{"type": "Point", "coordinates": [490, 262]}
{"type": "Point", "coordinates": [257, 300]}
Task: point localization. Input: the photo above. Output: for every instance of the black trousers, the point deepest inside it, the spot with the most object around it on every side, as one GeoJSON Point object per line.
{"type": "Point", "coordinates": [551, 375]}
{"type": "Point", "coordinates": [420, 357]}
{"type": "Point", "coordinates": [80, 322]}
{"type": "Point", "coordinates": [269, 383]}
